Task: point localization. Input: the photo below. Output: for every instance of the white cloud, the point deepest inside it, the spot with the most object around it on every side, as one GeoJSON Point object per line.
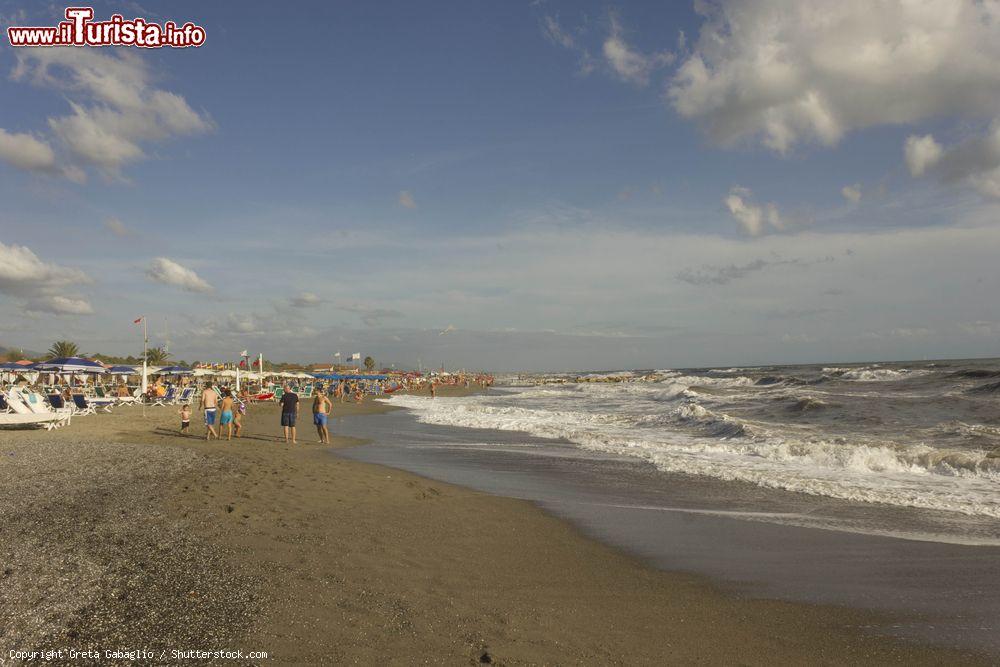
{"type": "Point", "coordinates": [556, 33]}
{"type": "Point", "coordinates": [26, 152]}
{"type": "Point", "coordinates": [40, 286]}
{"type": "Point", "coordinates": [406, 199]}
{"type": "Point", "coordinates": [114, 106]}
{"type": "Point", "coordinates": [783, 73]}
{"type": "Point", "coordinates": [169, 272]}
{"type": "Point", "coordinates": [627, 63]}
{"type": "Point", "coordinates": [117, 227]}
{"type": "Point", "coordinates": [921, 153]}
{"type": "Point", "coordinates": [975, 162]}
{"type": "Point", "coordinates": [371, 316]}
{"type": "Point", "coordinates": [981, 328]}
{"type": "Point", "coordinates": [852, 193]}
{"type": "Point", "coordinates": [754, 219]}
{"type": "Point", "coordinates": [306, 300]}
{"type": "Point", "coordinates": [60, 305]}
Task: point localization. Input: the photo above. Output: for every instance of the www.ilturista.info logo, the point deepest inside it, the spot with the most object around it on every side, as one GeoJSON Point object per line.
{"type": "Point", "coordinates": [80, 30]}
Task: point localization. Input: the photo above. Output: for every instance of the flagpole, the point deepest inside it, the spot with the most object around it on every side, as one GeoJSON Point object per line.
{"type": "Point", "coordinates": [145, 354]}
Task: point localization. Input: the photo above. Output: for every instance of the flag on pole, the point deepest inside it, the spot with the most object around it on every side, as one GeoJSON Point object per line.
{"type": "Point", "coordinates": [138, 320]}
{"type": "Point", "coordinates": [355, 356]}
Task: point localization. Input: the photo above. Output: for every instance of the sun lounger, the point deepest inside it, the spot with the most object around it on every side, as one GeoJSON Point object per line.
{"type": "Point", "coordinates": [30, 420]}
{"type": "Point", "coordinates": [36, 404]}
{"type": "Point", "coordinates": [186, 395]}
{"type": "Point", "coordinates": [166, 398]}
{"type": "Point", "coordinates": [82, 406]}
{"type": "Point", "coordinates": [21, 415]}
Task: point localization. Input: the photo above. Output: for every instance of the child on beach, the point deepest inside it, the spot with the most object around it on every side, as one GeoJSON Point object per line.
{"type": "Point", "coordinates": [241, 409]}
{"type": "Point", "coordinates": [185, 413]}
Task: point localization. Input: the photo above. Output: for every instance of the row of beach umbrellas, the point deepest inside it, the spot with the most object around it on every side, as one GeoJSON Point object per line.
{"type": "Point", "coordinates": [82, 365]}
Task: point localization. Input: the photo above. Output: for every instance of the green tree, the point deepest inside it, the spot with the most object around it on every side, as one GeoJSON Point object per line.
{"type": "Point", "coordinates": [369, 363]}
{"type": "Point", "coordinates": [157, 356]}
{"type": "Point", "coordinates": [64, 348]}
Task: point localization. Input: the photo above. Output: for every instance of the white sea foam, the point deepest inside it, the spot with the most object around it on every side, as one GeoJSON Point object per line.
{"type": "Point", "coordinates": [872, 374]}
{"type": "Point", "coordinates": [664, 424]}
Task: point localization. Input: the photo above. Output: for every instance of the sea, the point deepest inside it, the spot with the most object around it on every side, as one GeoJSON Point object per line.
{"type": "Point", "coordinates": [870, 485]}
{"type": "Point", "coordinates": [921, 435]}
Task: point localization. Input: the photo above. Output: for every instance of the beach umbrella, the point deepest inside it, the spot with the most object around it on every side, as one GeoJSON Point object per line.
{"type": "Point", "coordinates": [174, 370]}
{"type": "Point", "coordinates": [12, 366]}
{"type": "Point", "coordinates": [69, 365]}
{"type": "Point", "coordinates": [122, 370]}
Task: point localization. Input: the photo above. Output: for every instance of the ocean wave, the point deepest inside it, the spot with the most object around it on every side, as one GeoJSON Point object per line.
{"type": "Point", "coordinates": [693, 439]}
{"type": "Point", "coordinates": [806, 404]}
{"type": "Point", "coordinates": [871, 374]}
{"type": "Point", "coordinates": [704, 381]}
{"type": "Point", "coordinates": [975, 374]}
{"type": "Point", "coordinates": [991, 388]}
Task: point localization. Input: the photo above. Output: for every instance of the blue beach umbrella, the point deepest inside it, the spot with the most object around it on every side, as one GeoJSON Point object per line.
{"type": "Point", "coordinates": [122, 370]}
{"type": "Point", "coordinates": [174, 370]}
{"type": "Point", "coordinates": [69, 365]}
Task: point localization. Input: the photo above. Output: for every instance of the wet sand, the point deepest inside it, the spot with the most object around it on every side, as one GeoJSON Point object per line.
{"type": "Point", "coordinates": [117, 532]}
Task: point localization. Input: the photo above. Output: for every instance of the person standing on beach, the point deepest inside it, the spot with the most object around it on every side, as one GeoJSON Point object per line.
{"type": "Point", "coordinates": [289, 411]}
{"type": "Point", "coordinates": [210, 404]}
{"type": "Point", "coordinates": [226, 416]}
{"type": "Point", "coordinates": [321, 408]}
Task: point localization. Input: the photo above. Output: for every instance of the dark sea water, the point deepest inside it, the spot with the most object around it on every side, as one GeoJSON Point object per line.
{"type": "Point", "coordinates": [924, 436]}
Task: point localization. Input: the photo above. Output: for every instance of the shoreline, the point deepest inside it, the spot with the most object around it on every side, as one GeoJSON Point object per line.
{"type": "Point", "coordinates": [312, 557]}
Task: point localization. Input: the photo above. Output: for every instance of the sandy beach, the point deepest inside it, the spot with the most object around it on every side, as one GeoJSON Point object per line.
{"type": "Point", "coordinates": [118, 533]}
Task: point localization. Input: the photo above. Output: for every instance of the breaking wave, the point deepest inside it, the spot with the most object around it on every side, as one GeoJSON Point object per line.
{"type": "Point", "coordinates": [668, 424]}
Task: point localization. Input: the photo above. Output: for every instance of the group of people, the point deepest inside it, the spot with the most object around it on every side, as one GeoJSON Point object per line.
{"type": "Point", "coordinates": [223, 407]}
{"type": "Point", "coordinates": [220, 405]}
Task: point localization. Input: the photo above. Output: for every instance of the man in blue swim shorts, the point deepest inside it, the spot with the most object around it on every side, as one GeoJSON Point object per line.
{"type": "Point", "coordinates": [321, 408]}
{"type": "Point", "coordinates": [209, 403]}
{"type": "Point", "coordinates": [289, 411]}
{"type": "Point", "coordinates": [226, 414]}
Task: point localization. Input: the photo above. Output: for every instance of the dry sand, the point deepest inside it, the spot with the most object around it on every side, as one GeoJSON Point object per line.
{"type": "Point", "coordinates": [116, 532]}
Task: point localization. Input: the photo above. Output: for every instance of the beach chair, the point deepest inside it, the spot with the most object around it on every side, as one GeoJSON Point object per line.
{"type": "Point", "coordinates": [125, 400]}
{"type": "Point", "coordinates": [186, 395]}
{"type": "Point", "coordinates": [36, 403]}
{"type": "Point", "coordinates": [101, 400]}
{"type": "Point", "coordinates": [82, 406]}
{"type": "Point", "coordinates": [307, 391]}
{"type": "Point", "coordinates": [166, 398]}
{"type": "Point", "coordinates": [22, 415]}
{"type": "Point", "coordinates": [278, 393]}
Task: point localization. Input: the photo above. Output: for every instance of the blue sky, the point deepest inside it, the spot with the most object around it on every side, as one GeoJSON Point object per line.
{"type": "Point", "coordinates": [510, 185]}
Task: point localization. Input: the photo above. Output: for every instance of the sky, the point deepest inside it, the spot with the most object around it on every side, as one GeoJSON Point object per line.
{"type": "Point", "coordinates": [511, 186]}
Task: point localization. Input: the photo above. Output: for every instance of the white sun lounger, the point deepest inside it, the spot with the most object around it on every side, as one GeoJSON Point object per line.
{"type": "Point", "coordinates": [37, 404]}
{"type": "Point", "coordinates": [15, 420]}
{"type": "Point", "coordinates": [22, 415]}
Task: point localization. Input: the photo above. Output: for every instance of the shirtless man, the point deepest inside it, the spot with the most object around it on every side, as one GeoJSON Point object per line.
{"type": "Point", "coordinates": [321, 409]}
{"type": "Point", "coordinates": [210, 404]}
{"type": "Point", "coordinates": [226, 413]}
